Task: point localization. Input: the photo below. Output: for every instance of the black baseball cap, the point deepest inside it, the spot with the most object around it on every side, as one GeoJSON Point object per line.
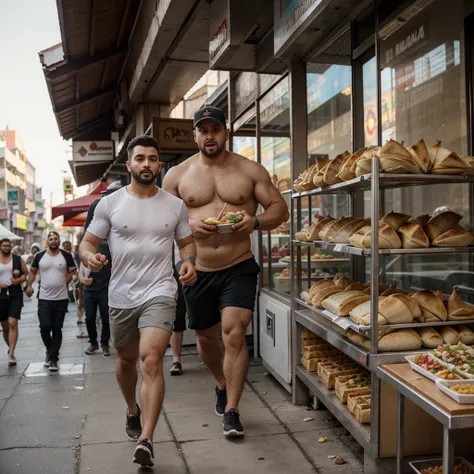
{"type": "Point", "coordinates": [208, 112]}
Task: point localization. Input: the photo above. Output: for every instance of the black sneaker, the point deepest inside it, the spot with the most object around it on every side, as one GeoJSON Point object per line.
{"type": "Point", "coordinates": [221, 401]}
{"type": "Point", "coordinates": [143, 454]}
{"type": "Point", "coordinates": [133, 426]}
{"type": "Point", "coordinates": [46, 362]}
{"type": "Point", "coordinates": [91, 350]}
{"type": "Point", "coordinates": [53, 366]}
{"type": "Point", "coordinates": [106, 351]}
{"type": "Point", "coordinates": [232, 426]}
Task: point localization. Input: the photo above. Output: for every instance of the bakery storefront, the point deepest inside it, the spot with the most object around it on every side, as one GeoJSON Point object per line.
{"type": "Point", "coordinates": [378, 143]}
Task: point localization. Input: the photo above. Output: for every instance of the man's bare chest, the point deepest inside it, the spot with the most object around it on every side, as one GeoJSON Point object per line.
{"type": "Point", "coordinates": [200, 189]}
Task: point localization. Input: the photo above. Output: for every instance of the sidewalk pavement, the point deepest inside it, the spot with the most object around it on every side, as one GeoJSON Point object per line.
{"type": "Point", "coordinates": [73, 421]}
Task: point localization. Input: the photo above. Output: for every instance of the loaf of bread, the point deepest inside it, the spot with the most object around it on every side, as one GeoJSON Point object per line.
{"type": "Point", "coordinates": [430, 337]}
{"type": "Point", "coordinates": [420, 155]}
{"type": "Point", "coordinates": [466, 335]}
{"type": "Point", "coordinates": [449, 335]}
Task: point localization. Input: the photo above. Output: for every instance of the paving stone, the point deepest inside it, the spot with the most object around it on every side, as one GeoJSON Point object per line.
{"type": "Point", "coordinates": [200, 400]}
{"type": "Point", "coordinates": [117, 458]}
{"type": "Point", "coordinates": [261, 454]}
{"type": "Point", "coordinates": [293, 417]}
{"type": "Point", "coordinates": [204, 424]}
{"type": "Point", "coordinates": [48, 430]}
{"type": "Point", "coordinates": [111, 428]}
{"type": "Point", "coordinates": [38, 461]}
{"type": "Point", "coordinates": [319, 452]}
{"type": "Point", "coordinates": [37, 369]}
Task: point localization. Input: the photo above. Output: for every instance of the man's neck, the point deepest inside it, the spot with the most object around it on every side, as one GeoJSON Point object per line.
{"type": "Point", "coordinates": [5, 258]}
{"type": "Point", "coordinates": [218, 160]}
{"type": "Point", "coordinates": [142, 191]}
{"type": "Point", "coordinates": [53, 252]}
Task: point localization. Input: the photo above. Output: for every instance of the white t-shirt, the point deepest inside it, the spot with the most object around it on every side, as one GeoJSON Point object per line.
{"type": "Point", "coordinates": [6, 272]}
{"type": "Point", "coordinates": [140, 233]}
{"type": "Point", "coordinates": [54, 269]}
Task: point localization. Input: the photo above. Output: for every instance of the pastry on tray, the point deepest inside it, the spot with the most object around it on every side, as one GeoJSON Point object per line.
{"type": "Point", "coordinates": [353, 400]}
{"type": "Point", "coordinates": [329, 372]}
{"type": "Point", "coordinates": [311, 365]}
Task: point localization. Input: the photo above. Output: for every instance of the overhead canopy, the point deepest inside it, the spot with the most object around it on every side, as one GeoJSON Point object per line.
{"type": "Point", "coordinates": [79, 205]}
{"type": "Point", "coordinates": [6, 234]}
{"type": "Point", "coordinates": [75, 221]}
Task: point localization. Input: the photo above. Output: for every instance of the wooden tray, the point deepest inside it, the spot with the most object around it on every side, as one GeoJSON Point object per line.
{"type": "Point", "coordinates": [428, 389]}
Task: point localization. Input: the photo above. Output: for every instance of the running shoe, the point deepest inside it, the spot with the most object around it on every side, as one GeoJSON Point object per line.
{"type": "Point", "coordinates": [133, 426]}
{"type": "Point", "coordinates": [143, 454]}
{"type": "Point", "coordinates": [91, 350]}
{"type": "Point", "coordinates": [106, 351]}
{"type": "Point", "coordinates": [221, 401]}
{"type": "Point", "coordinates": [46, 362]}
{"type": "Point", "coordinates": [53, 366]}
{"type": "Point", "coordinates": [176, 369]}
{"type": "Point", "coordinates": [232, 426]}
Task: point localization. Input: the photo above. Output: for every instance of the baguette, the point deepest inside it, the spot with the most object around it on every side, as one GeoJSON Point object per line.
{"type": "Point", "coordinates": [449, 335]}
{"type": "Point", "coordinates": [466, 335]}
{"type": "Point", "coordinates": [430, 337]}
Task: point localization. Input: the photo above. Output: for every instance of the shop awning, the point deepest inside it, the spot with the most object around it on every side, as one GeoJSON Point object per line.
{"type": "Point", "coordinates": [79, 205]}
{"type": "Point", "coordinates": [75, 221]}
{"type": "Point", "coordinates": [6, 234]}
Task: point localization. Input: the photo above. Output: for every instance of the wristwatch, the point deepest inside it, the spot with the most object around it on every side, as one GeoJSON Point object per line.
{"type": "Point", "coordinates": [256, 223]}
{"type": "Point", "coordinates": [191, 259]}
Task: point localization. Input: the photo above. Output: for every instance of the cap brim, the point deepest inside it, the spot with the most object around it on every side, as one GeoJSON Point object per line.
{"type": "Point", "coordinates": [209, 118]}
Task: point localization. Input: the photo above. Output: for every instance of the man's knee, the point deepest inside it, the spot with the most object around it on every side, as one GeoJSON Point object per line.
{"type": "Point", "coordinates": [127, 356]}
{"type": "Point", "coordinates": [207, 338]}
{"type": "Point", "coordinates": [13, 324]}
{"type": "Point", "coordinates": [151, 364]}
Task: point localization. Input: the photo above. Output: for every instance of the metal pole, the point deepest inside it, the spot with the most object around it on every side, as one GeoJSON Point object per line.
{"type": "Point", "coordinates": [374, 253]}
{"type": "Point", "coordinates": [448, 451]}
{"type": "Point", "coordinates": [400, 431]}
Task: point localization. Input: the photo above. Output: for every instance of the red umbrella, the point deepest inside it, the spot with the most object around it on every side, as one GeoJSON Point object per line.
{"type": "Point", "coordinates": [76, 206]}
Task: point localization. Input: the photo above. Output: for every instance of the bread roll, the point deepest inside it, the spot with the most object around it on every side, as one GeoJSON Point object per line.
{"type": "Point", "coordinates": [301, 236]}
{"type": "Point", "coordinates": [429, 302]}
{"type": "Point", "coordinates": [410, 303]}
{"type": "Point", "coordinates": [345, 171]}
{"type": "Point", "coordinates": [445, 162]}
{"type": "Point", "coordinates": [321, 295]}
{"type": "Point", "coordinates": [395, 219]}
{"type": "Point", "coordinates": [314, 229]}
{"type": "Point", "coordinates": [422, 220]}
{"type": "Point", "coordinates": [319, 285]}
{"type": "Point", "coordinates": [430, 337]}
{"type": "Point", "coordinates": [449, 335]}
{"type": "Point", "coordinates": [328, 232]}
{"type": "Point", "coordinates": [305, 296]}
{"type": "Point", "coordinates": [395, 311]}
{"type": "Point", "coordinates": [457, 308]}
{"type": "Point", "coordinates": [359, 312]}
{"type": "Point", "coordinates": [355, 286]}
{"type": "Point", "coordinates": [420, 155]}
{"type": "Point", "coordinates": [331, 170]}
{"type": "Point", "coordinates": [441, 223]}
{"type": "Point", "coordinates": [341, 236]}
{"type": "Point", "coordinates": [400, 340]}
{"type": "Point", "coordinates": [453, 238]}
{"type": "Point", "coordinates": [342, 281]}
{"type": "Point", "coordinates": [466, 335]}
{"type": "Point", "coordinates": [357, 239]}
{"type": "Point", "coordinates": [364, 164]}
{"type": "Point", "coordinates": [338, 303]}
{"type": "Point", "coordinates": [413, 236]}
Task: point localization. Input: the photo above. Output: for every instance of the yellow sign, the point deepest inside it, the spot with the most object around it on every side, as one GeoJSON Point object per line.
{"type": "Point", "coordinates": [174, 135]}
{"type": "Point", "coordinates": [21, 222]}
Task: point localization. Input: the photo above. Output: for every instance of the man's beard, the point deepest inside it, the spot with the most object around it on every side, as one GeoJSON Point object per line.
{"type": "Point", "coordinates": [6, 252]}
{"type": "Point", "coordinates": [53, 246]}
{"type": "Point", "coordinates": [217, 152]}
{"type": "Point", "coordinates": [140, 179]}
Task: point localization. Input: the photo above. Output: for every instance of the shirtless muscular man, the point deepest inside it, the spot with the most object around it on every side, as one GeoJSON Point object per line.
{"type": "Point", "coordinates": [227, 271]}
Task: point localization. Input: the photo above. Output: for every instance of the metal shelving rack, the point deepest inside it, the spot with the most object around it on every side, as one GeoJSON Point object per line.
{"type": "Point", "coordinates": [317, 321]}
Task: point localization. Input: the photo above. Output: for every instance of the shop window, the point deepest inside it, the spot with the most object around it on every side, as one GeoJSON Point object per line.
{"type": "Point", "coordinates": [275, 157]}
{"type": "Point", "coordinates": [423, 96]}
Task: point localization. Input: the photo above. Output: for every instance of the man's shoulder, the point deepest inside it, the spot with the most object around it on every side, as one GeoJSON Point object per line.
{"type": "Point", "coordinates": [171, 199]}
{"type": "Point", "coordinates": [112, 199]}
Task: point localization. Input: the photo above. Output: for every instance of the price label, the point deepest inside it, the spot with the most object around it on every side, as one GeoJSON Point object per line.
{"type": "Point", "coordinates": [363, 359]}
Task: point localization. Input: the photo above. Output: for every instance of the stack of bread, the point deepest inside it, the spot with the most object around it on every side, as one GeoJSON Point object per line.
{"type": "Point", "coordinates": [316, 351]}
{"type": "Point", "coordinates": [345, 298]}
{"type": "Point", "coordinates": [393, 157]}
{"type": "Point", "coordinates": [395, 231]}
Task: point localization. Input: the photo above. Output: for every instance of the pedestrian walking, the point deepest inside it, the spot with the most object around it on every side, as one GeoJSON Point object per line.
{"type": "Point", "coordinates": [141, 222]}
{"type": "Point", "coordinates": [57, 268]}
{"type": "Point", "coordinates": [227, 271]}
{"type": "Point", "coordinates": [13, 273]}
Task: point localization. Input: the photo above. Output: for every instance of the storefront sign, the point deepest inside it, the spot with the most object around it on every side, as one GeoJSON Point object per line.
{"type": "Point", "coordinates": [21, 222]}
{"type": "Point", "coordinates": [67, 185]}
{"type": "Point", "coordinates": [12, 197]}
{"type": "Point", "coordinates": [219, 41]}
{"type": "Point", "coordinates": [87, 152]}
{"type": "Point", "coordinates": [3, 213]}
{"type": "Point", "coordinates": [290, 15]}
{"type": "Point", "coordinates": [174, 135]}
{"type": "Point", "coordinates": [40, 224]}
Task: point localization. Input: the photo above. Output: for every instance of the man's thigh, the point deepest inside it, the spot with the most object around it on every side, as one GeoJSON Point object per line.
{"type": "Point", "coordinates": [60, 310]}
{"type": "Point", "coordinates": [103, 300]}
{"type": "Point", "coordinates": [153, 342]}
{"type": "Point", "coordinates": [235, 320]}
{"type": "Point", "coordinates": [159, 312]}
{"type": "Point", "coordinates": [45, 313]}
{"type": "Point", "coordinates": [123, 326]}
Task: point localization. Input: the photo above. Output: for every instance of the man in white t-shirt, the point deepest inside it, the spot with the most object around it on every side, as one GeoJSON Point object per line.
{"type": "Point", "coordinates": [141, 222]}
{"type": "Point", "coordinates": [57, 268]}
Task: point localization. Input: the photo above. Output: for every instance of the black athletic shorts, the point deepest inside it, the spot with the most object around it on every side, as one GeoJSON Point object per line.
{"type": "Point", "coordinates": [180, 319]}
{"type": "Point", "coordinates": [213, 291]}
{"type": "Point", "coordinates": [10, 308]}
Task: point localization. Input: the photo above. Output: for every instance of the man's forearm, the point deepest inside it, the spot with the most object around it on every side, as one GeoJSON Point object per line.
{"type": "Point", "coordinates": [274, 215]}
{"type": "Point", "coordinates": [188, 250]}
{"type": "Point", "coordinates": [86, 250]}
{"type": "Point", "coordinates": [31, 278]}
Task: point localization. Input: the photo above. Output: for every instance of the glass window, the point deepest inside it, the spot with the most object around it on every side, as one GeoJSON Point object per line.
{"type": "Point", "coordinates": [275, 157]}
{"type": "Point", "coordinates": [369, 80]}
{"type": "Point", "coordinates": [423, 96]}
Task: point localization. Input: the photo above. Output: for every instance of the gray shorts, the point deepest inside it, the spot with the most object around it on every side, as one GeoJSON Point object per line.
{"type": "Point", "coordinates": [158, 312]}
